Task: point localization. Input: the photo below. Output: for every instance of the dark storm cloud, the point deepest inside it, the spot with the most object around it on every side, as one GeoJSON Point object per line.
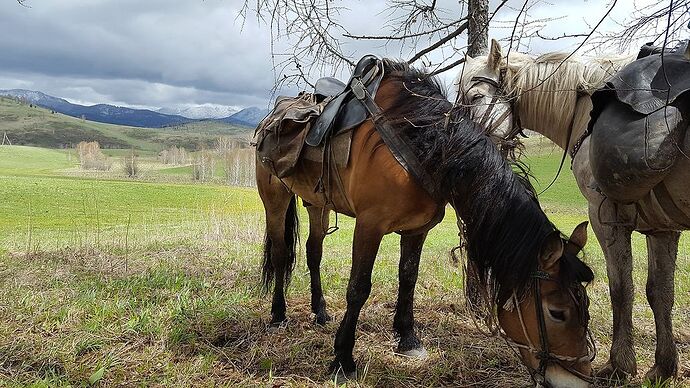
{"type": "Point", "coordinates": [163, 53]}
{"type": "Point", "coordinates": [137, 48]}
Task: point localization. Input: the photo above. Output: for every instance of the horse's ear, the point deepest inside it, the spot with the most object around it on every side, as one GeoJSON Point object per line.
{"type": "Point", "coordinates": [495, 55]}
{"type": "Point", "coordinates": [469, 60]}
{"type": "Point", "coordinates": [551, 250]}
{"type": "Point", "coordinates": [687, 51]}
{"type": "Point", "coordinates": [577, 239]}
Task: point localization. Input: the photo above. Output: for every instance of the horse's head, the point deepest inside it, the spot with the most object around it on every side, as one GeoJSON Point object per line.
{"type": "Point", "coordinates": [549, 324]}
{"type": "Point", "coordinates": [482, 87]}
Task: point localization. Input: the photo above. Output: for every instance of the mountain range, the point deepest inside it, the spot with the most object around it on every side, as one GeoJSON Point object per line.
{"type": "Point", "coordinates": [203, 111]}
{"type": "Point", "coordinates": [112, 114]}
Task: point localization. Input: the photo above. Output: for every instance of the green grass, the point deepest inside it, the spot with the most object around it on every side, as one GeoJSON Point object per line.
{"type": "Point", "coordinates": [153, 283]}
{"type": "Point", "coordinates": [21, 160]}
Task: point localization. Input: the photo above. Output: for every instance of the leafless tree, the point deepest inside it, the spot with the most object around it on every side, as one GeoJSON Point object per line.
{"type": "Point", "coordinates": [319, 41]}
{"type": "Point", "coordinates": [661, 23]}
{"type": "Point", "coordinates": [91, 157]}
{"type": "Point", "coordinates": [130, 165]}
{"type": "Point", "coordinates": [310, 37]}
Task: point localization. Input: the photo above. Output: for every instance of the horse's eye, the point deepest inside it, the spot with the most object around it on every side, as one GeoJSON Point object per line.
{"type": "Point", "coordinates": [477, 97]}
{"type": "Point", "coordinates": [557, 315]}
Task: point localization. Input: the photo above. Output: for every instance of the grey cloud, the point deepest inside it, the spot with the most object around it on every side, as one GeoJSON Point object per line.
{"type": "Point", "coordinates": [154, 53]}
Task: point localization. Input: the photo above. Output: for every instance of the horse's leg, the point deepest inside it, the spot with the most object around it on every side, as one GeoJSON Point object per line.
{"type": "Point", "coordinates": [367, 239]}
{"type": "Point", "coordinates": [318, 223]}
{"type": "Point", "coordinates": [280, 242]}
{"type": "Point", "coordinates": [615, 242]}
{"type": "Point", "coordinates": [408, 269]}
{"type": "Point", "coordinates": [662, 249]}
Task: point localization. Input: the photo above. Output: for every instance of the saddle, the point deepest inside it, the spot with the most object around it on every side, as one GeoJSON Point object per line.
{"type": "Point", "coordinates": [344, 109]}
{"type": "Point", "coordinates": [638, 124]}
{"type": "Point", "coordinates": [644, 85]}
{"type": "Point", "coordinates": [306, 120]}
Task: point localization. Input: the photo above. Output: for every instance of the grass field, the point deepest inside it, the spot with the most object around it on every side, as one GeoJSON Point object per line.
{"type": "Point", "coordinates": [132, 283]}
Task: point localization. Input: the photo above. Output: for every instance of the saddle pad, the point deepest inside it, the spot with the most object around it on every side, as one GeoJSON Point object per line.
{"type": "Point", "coordinates": [340, 145]}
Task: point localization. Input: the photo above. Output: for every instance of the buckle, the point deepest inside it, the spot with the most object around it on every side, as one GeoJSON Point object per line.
{"type": "Point", "coordinates": [358, 89]}
{"type": "Point", "coordinates": [541, 275]}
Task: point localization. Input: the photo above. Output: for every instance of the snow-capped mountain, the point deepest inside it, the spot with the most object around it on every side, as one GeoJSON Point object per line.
{"type": "Point", "coordinates": [102, 113]}
{"type": "Point", "coordinates": [249, 116]}
{"type": "Point", "coordinates": [105, 113]}
{"type": "Point", "coordinates": [37, 98]}
{"type": "Point", "coordinates": [203, 111]}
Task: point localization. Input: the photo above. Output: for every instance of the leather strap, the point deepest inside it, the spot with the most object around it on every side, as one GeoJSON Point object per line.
{"type": "Point", "coordinates": [669, 206]}
{"type": "Point", "coordinates": [401, 150]}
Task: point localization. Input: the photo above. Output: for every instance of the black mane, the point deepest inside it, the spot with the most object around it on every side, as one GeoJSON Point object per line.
{"type": "Point", "coordinates": [505, 224]}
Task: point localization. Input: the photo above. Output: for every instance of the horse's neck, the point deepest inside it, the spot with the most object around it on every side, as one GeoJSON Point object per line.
{"type": "Point", "coordinates": [553, 96]}
{"type": "Point", "coordinates": [563, 123]}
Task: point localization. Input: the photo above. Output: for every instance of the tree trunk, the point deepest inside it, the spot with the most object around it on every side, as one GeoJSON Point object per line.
{"type": "Point", "coordinates": [478, 27]}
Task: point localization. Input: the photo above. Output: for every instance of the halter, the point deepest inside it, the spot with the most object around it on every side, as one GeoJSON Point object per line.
{"type": "Point", "coordinates": [499, 86]}
{"type": "Point", "coordinates": [542, 353]}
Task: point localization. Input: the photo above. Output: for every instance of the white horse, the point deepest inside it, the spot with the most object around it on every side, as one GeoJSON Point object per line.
{"type": "Point", "coordinates": [551, 94]}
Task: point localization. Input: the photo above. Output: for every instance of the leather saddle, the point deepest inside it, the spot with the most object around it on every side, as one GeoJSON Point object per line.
{"type": "Point", "coordinates": [638, 122]}
{"type": "Point", "coordinates": [644, 85]}
{"type": "Point", "coordinates": [345, 109]}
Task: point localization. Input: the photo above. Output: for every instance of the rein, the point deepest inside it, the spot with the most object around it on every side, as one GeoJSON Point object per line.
{"type": "Point", "coordinates": [516, 128]}
{"type": "Point", "coordinates": [543, 354]}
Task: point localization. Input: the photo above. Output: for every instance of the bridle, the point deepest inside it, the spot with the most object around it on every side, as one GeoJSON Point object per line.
{"type": "Point", "coordinates": [516, 128]}
{"type": "Point", "coordinates": [542, 353]}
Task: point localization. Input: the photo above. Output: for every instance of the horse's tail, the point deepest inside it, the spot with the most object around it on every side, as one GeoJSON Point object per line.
{"type": "Point", "coordinates": [291, 240]}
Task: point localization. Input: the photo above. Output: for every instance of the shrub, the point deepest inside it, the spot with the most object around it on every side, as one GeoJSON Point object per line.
{"type": "Point", "coordinates": [130, 164]}
{"type": "Point", "coordinates": [91, 157]}
{"type": "Point", "coordinates": [174, 155]}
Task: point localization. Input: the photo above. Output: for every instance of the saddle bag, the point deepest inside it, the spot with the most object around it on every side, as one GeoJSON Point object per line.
{"type": "Point", "coordinates": [638, 126]}
{"type": "Point", "coordinates": [280, 136]}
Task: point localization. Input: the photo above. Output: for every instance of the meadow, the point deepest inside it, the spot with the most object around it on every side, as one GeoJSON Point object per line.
{"type": "Point", "coordinates": [149, 282]}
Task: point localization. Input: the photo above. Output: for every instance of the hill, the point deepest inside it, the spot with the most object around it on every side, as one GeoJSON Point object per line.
{"type": "Point", "coordinates": [111, 114]}
{"type": "Point", "coordinates": [102, 113]}
{"type": "Point", "coordinates": [35, 126]}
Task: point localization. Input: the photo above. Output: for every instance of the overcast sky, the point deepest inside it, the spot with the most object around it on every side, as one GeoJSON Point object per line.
{"type": "Point", "coordinates": [159, 53]}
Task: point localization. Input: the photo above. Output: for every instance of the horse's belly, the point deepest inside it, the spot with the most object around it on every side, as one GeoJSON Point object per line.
{"type": "Point", "coordinates": [667, 206]}
{"type": "Point", "coordinates": [309, 184]}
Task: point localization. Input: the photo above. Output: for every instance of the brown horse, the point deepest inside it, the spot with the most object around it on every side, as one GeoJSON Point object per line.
{"type": "Point", "coordinates": [532, 273]}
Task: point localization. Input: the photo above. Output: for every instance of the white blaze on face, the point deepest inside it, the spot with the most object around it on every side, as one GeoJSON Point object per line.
{"type": "Point", "coordinates": [478, 96]}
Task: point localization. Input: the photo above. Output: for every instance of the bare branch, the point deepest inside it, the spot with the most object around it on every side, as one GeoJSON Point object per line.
{"type": "Point", "coordinates": [448, 67]}
{"type": "Point", "coordinates": [439, 43]}
{"type": "Point", "coordinates": [563, 36]}
{"type": "Point", "coordinates": [401, 37]}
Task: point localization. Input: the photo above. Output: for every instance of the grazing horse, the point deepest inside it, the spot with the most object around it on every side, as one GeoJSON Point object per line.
{"type": "Point", "coordinates": [552, 95]}
{"type": "Point", "coordinates": [532, 273]}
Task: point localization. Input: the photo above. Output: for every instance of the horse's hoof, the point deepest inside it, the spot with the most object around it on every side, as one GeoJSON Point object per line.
{"type": "Point", "coordinates": [658, 374]}
{"type": "Point", "coordinates": [418, 353]}
{"type": "Point", "coordinates": [322, 318]}
{"type": "Point", "coordinates": [610, 373]}
{"type": "Point", "coordinates": [339, 377]}
{"type": "Point", "coordinates": [275, 327]}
